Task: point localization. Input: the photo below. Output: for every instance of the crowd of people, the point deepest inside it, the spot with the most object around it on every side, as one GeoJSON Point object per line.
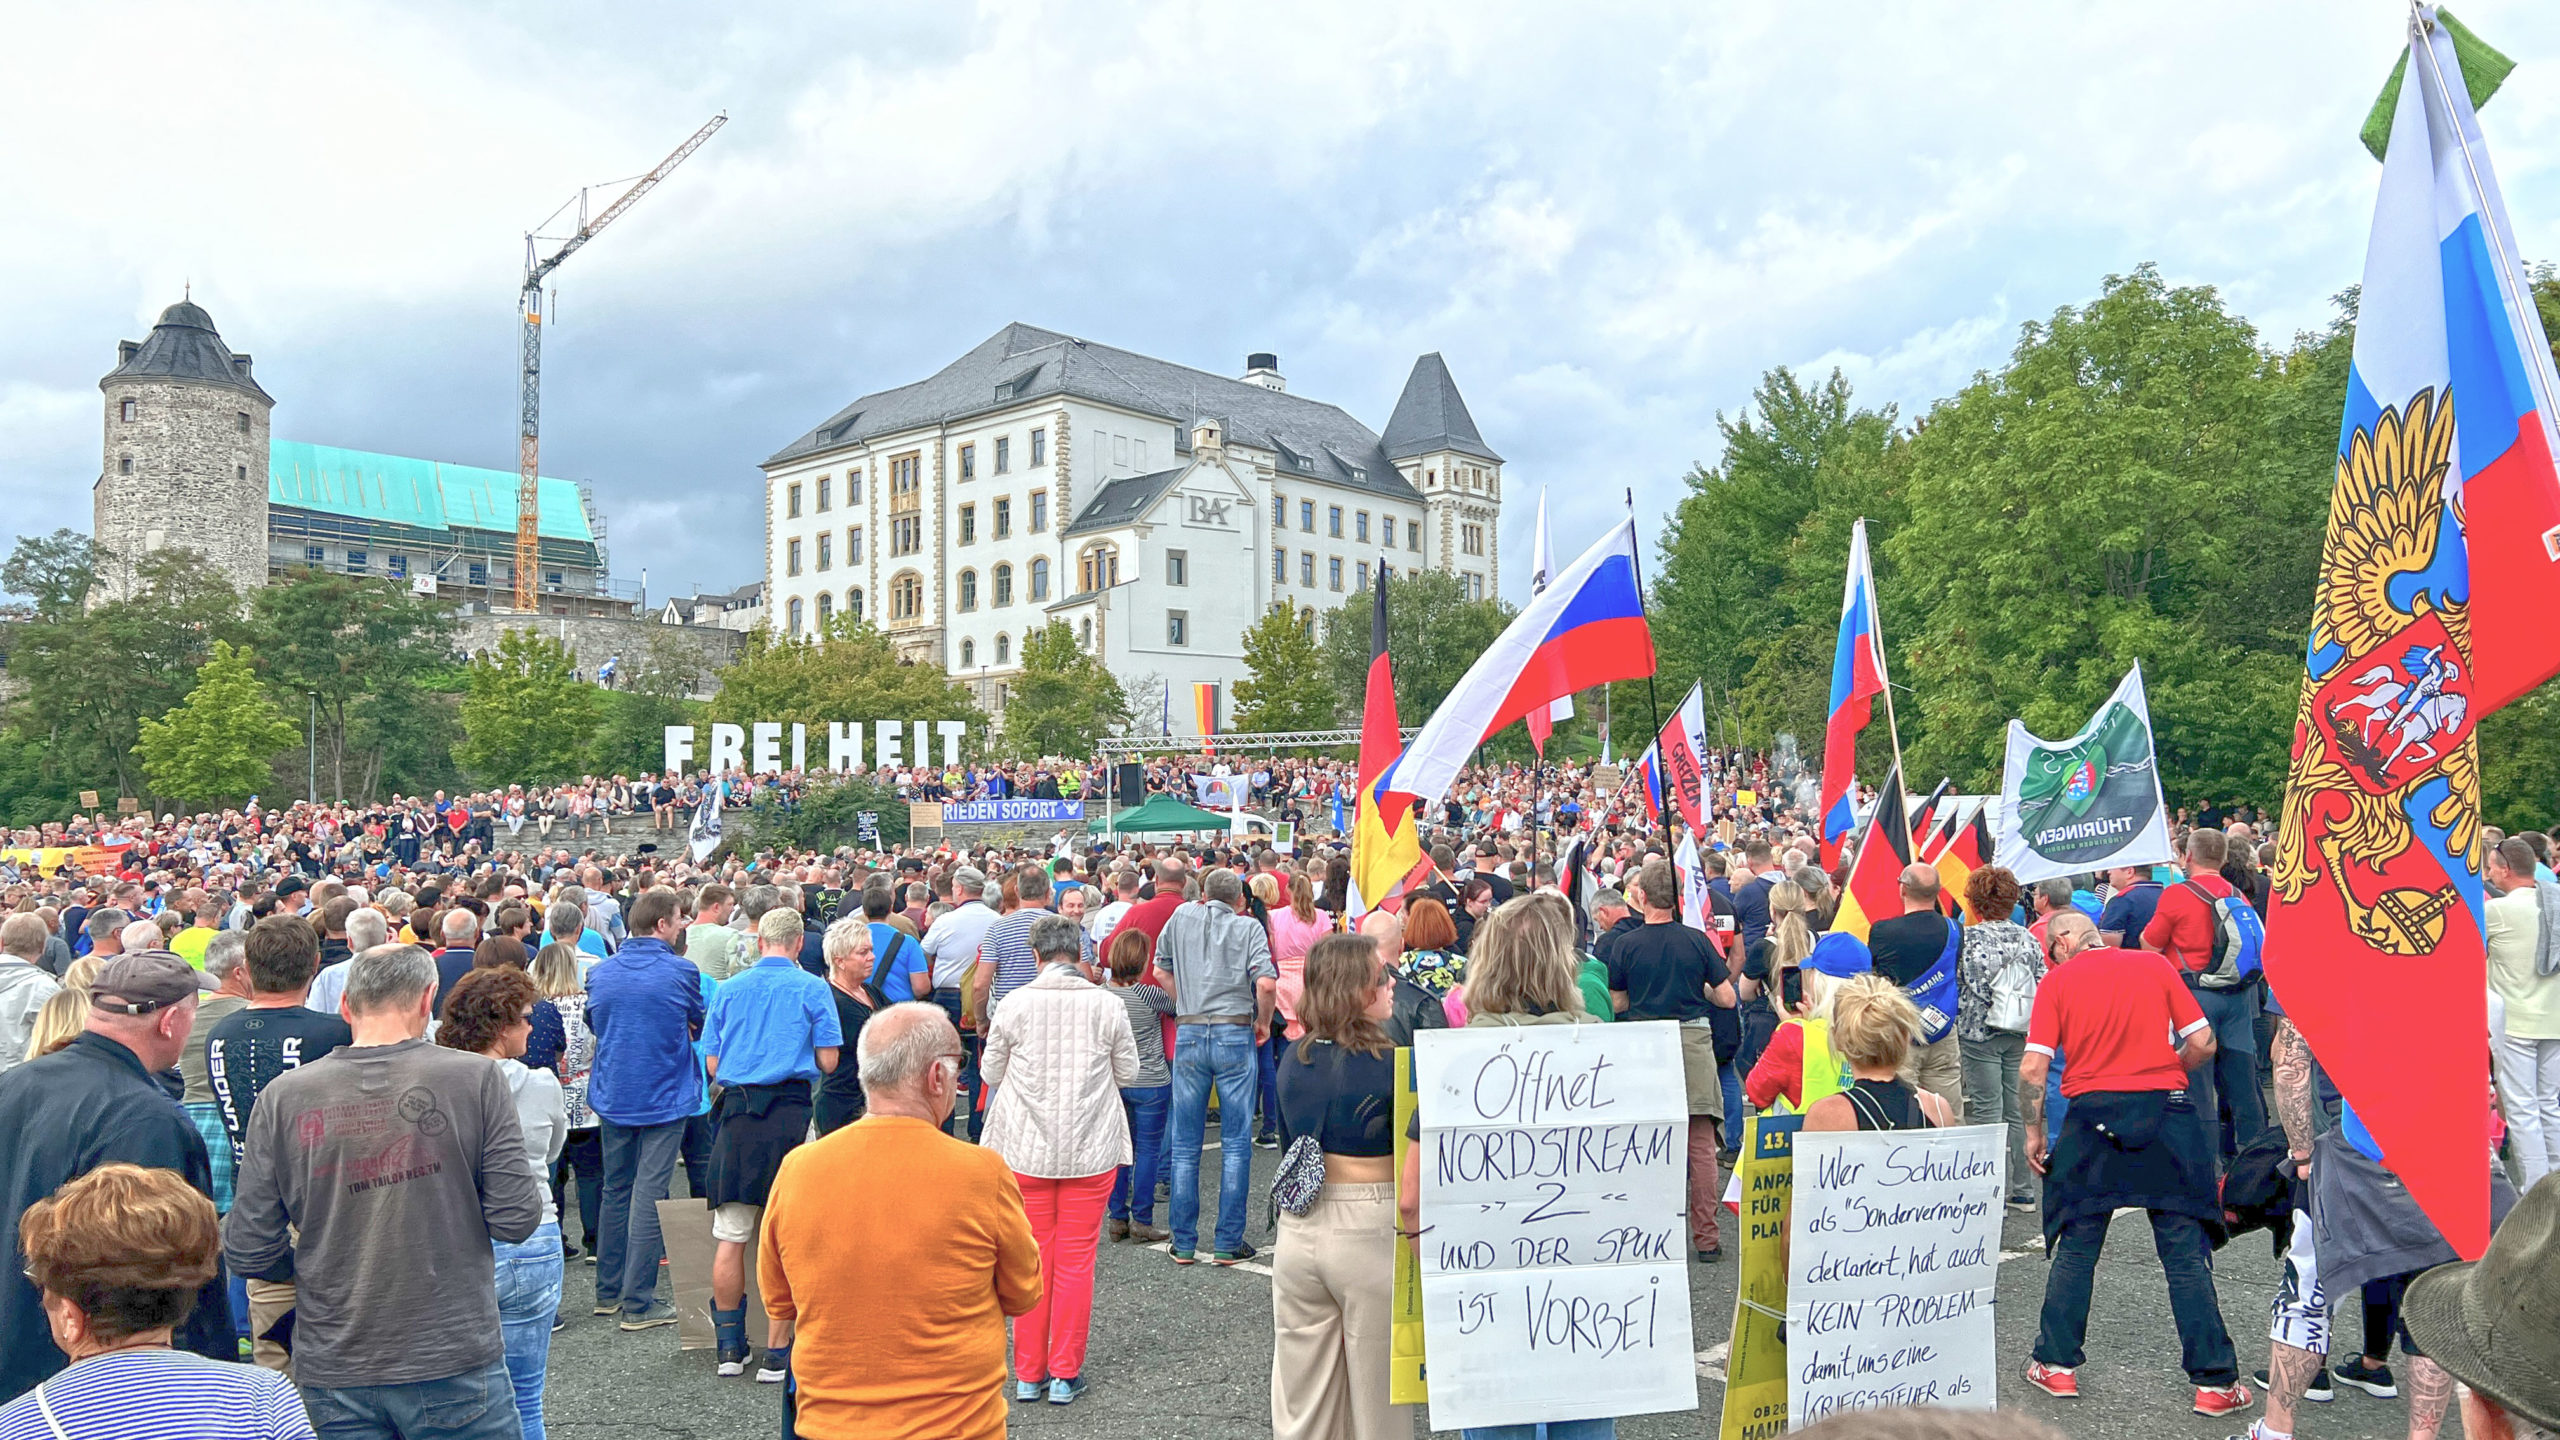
{"type": "Point", "coordinates": [342, 1092]}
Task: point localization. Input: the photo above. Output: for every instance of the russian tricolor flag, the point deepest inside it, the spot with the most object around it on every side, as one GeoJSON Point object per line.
{"type": "Point", "coordinates": [1586, 628]}
{"type": "Point", "coordinates": [2435, 608]}
{"type": "Point", "coordinates": [1857, 677]}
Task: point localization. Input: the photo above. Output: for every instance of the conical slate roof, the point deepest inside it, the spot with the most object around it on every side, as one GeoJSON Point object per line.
{"type": "Point", "coordinates": [185, 346]}
{"type": "Point", "coordinates": [1431, 416]}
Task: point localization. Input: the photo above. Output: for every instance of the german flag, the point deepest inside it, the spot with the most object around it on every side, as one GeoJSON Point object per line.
{"type": "Point", "coordinates": [1964, 849]}
{"type": "Point", "coordinates": [1386, 850]}
{"type": "Point", "coordinates": [1925, 820]}
{"type": "Point", "coordinates": [1874, 891]}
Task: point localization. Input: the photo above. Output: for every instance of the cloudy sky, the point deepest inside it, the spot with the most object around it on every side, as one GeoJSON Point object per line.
{"type": "Point", "coordinates": [1611, 218]}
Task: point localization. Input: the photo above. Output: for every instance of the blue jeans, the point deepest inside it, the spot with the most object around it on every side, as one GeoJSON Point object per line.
{"type": "Point", "coordinates": [1133, 1194]}
{"type": "Point", "coordinates": [474, 1405]}
{"type": "Point", "coordinates": [639, 1160]}
{"type": "Point", "coordinates": [528, 1301]}
{"type": "Point", "coordinates": [1551, 1430]}
{"type": "Point", "coordinates": [1733, 1111]}
{"type": "Point", "coordinates": [1203, 1056]}
{"type": "Point", "coordinates": [964, 1116]}
{"type": "Point", "coordinates": [1266, 1059]}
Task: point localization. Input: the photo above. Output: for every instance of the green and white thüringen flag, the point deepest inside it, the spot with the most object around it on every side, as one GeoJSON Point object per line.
{"type": "Point", "coordinates": [2087, 803]}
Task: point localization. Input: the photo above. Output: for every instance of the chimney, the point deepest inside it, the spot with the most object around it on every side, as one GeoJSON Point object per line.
{"type": "Point", "coordinates": [1263, 368]}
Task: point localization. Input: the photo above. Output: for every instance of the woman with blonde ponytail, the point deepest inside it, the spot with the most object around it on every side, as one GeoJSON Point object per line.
{"type": "Point", "coordinates": [1770, 974]}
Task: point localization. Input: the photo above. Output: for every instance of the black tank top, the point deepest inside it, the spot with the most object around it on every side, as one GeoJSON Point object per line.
{"type": "Point", "coordinates": [1887, 1105]}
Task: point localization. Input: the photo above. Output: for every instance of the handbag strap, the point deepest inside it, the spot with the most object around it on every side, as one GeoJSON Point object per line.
{"type": "Point", "coordinates": [44, 1407]}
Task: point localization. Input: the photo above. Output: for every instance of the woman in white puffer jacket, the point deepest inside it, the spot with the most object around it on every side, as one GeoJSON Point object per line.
{"type": "Point", "coordinates": [1057, 1053]}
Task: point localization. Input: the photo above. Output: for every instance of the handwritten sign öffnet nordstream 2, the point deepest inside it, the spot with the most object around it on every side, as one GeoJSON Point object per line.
{"type": "Point", "coordinates": [1891, 1269]}
{"type": "Point", "coordinates": [1555, 1263]}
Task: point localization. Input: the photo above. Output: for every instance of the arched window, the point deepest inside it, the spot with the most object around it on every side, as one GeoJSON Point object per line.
{"type": "Point", "coordinates": [968, 652]}
{"type": "Point", "coordinates": [795, 616]}
{"type": "Point", "coordinates": [853, 604]}
{"type": "Point", "coordinates": [1004, 585]}
{"type": "Point", "coordinates": [1039, 580]}
{"type": "Point", "coordinates": [826, 608]}
{"type": "Point", "coordinates": [1097, 568]}
{"type": "Point", "coordinates": [968, 590]}
{"type": "Point", "coordinates": [1004, 650]}
{"type": "Point", "coordinates": [1084, 632]}
{"type": "Point", "coordinates": [906, 598]}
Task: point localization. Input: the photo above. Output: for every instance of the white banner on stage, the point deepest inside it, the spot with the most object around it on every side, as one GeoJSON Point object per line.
{"type": "Point", "coordinates": [1892, 1267]}
{"type": "Point", "coordinates": [1555, 1267]}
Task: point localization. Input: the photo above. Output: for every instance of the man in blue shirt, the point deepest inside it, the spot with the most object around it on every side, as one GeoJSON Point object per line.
{"type": "Point", "coordinates": [645, 1006]}
{"type": "Point", "coordinates": [772, 1032]}
{"type": "Point", "coordinates": [2129, 908]}
{"type": "Point", "coordinates": [905, 971]}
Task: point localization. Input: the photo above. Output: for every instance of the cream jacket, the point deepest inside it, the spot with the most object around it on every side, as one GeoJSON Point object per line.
{"type": "Point", "coordinates": [1057, 1055]}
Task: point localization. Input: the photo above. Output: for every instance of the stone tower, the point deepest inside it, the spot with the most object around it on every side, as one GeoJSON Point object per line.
{"type": "Point", "coordinates": [185, 460]}
{"type": "Point", "coordinates": [1433, 441]}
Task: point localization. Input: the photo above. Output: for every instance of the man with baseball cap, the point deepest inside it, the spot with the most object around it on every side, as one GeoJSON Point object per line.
{"type": "Point", "coordinates": [91, 1103]}
{"type": "Point", "coordinates": [2495, 1324]}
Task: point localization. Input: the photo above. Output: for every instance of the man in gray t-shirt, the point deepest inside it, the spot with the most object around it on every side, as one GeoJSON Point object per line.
{"type": "Point", "coordinates": [1218, 962]}
{"type": "Point", "coordinates": [397, 1162]}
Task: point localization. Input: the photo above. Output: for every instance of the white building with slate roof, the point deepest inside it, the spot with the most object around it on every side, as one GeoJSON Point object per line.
{"type": "Point", "coordinates": [1157, 509]}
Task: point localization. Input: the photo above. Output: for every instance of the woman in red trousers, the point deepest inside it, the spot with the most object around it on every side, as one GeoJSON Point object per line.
{"type": "Point", "coordinates": [1058, 1051]}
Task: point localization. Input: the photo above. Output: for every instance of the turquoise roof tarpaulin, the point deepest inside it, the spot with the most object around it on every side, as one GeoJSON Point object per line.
{"type": "Point", "coordinates": [426, 494]}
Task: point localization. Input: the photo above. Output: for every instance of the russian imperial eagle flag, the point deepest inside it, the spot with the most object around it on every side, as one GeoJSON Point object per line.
{"type": "Point", "coordinates": [2438, 579]}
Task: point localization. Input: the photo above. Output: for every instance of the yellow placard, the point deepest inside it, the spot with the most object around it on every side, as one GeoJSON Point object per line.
{"type": "Point", "coordinates": [1746, 797]}
{"type": "Point", "coordinates": [1755, 1368]}
{"type": "Point", "coordinates": [1406, 1382]}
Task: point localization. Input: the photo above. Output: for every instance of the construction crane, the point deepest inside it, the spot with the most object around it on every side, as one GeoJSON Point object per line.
{"type": "Point", "coordinates": [537, 269]}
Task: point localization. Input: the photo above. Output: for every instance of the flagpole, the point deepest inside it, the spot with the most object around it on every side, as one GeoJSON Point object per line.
{"type": "Point", "coordinates": [1892, 731]}
{"type": "Point", "coordinates": [1652, 700]}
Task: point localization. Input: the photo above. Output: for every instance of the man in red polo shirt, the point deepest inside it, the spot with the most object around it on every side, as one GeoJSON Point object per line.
{"type": "Point", "coordinates": [2134, 1137]}
{"type": "Point", "coordinates": [2182, 927]}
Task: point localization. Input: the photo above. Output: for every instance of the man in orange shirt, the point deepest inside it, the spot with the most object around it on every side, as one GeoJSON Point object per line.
{"type": "Point", "coordinates": [839, 1271]}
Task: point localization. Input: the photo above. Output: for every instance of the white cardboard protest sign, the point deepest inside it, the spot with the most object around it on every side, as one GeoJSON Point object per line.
{"type": "Point", "coordinates": [1555, 1265]}
{"type": "Point", "coordinates": [1892, 1267]}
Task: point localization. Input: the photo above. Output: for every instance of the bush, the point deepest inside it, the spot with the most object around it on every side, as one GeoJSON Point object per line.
{"type": "Point", "coordinates": [827, 815]}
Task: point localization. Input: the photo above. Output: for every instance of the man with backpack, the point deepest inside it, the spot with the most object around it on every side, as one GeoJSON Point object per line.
{"type": "Point", "coordinates": [901, 971]}
{"type": "Point", "coordinates": [1918, 950]}
{"type": "Point", "coordinates": [2213, 937]}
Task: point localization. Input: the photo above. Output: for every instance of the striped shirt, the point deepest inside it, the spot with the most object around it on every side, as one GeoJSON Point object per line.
{"type": "Point", "coordinates": [159, 1395]}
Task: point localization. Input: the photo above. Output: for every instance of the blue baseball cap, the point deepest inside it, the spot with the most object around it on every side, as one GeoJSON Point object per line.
{"type": "Point", "coordinates": [1840, 955]}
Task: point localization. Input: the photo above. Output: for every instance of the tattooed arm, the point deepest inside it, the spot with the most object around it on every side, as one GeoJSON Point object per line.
{"type": "Point", "coordinates": [2430, 1395]}
{"type": "Point", "coordinates": [2032, 1069]}
{"type": "Point", "coordinates": [2294, 1100]}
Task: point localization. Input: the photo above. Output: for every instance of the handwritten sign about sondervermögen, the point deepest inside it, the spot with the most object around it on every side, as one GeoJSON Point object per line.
{"type": "Point", "coordinates": [1892, 1266]}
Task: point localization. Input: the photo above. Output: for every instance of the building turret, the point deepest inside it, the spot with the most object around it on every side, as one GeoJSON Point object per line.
{"type": "Point", "coordinates": [184, 465]}
{"type": "Point", "coordinates": [1433, 441]}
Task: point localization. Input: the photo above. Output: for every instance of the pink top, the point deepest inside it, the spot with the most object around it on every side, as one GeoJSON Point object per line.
{"type": "Point", "coordinates": [1291, 939]}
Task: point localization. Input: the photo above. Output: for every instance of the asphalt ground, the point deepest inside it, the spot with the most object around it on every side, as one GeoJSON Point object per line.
{"type": "Point", "coordinates": [1184, 1352]}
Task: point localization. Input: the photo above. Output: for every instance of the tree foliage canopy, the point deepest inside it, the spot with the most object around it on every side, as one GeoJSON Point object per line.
{"type": "Point", "coordinates": [214, 745]}
{"type": "Point", "coordinates": [1286, 685]}
{"type": "Point", "coordinates": [1434, 632]}
{"type": "Point", "coordinates": [528, 717]}
{"type": "Point", "coordinates": [1064, 700]}
{"type": "Point", "coordinates": [847, 672]}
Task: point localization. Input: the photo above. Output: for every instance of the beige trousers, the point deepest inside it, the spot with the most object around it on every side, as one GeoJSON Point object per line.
{"type": "Point", "coordinates": [1332, 1293]}
{"type": "Point", "coordinates": [268, 1301]}
{"type": "Point", "coordinates": [1938, 1069]}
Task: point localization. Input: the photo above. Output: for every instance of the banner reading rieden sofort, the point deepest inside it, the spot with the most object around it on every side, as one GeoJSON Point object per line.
{"type": "Point", "coordinates": [2089, 802]}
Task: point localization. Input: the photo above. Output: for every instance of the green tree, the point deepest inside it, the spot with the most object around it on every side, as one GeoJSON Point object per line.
{"type": "Point", "coordinates": [88, 676]}
{"type": "Point", "coordinates": [362, 646]}
{"type": "Point", "coordinates": [1064, 700]}
{"type": "Point", "coordinates": [1434, 632]}
{"type": "Point", "coordinates": [2141, 482]}
{"type": "Point", "coordinates": [848, 672]}
{"type": "Point", "coordinates": [1286, 687]}
{"type": "Point", "coordinates": [215, 744]}
{"type": "Point", "coordinates": [528, 717]}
